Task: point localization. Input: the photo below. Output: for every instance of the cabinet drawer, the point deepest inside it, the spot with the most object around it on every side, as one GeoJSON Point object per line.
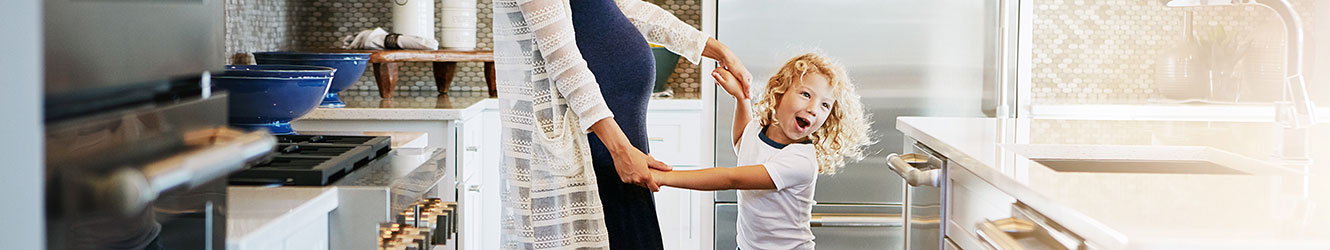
{"type": "Point", "coordinates": [972, 201]}
{"type": "Point", "coordinates": [674, 137]}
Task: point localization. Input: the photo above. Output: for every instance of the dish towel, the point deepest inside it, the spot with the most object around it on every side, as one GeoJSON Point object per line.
{"type": "Point", "coordinates": [378, 39]}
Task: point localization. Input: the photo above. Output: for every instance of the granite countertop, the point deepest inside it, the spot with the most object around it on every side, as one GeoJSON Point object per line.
{"type": "Point", "coordinates": [426, 105]}
{"type": "Point", "coordinates": [404, 105]}
{"type": "Point", "coordinates": [1260, 201]}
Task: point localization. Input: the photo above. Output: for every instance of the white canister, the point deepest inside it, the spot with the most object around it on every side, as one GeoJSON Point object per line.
{"type": "Point", "coordinates": [413, 17]}
{"type": "Point", "coordinates": [458, 29]}
{"type": "Point", "coordinates": [467, 4]}
{"type": "Point", "coordinates": [458, 38]}
{"type": "Point", "coordinates": [458, 17]}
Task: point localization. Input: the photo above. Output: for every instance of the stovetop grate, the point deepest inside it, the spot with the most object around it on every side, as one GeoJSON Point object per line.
{"type": "Point", "coordinates": [313, 160]}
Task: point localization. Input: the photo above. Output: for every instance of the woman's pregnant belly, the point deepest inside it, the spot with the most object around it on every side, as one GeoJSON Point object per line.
{"type": "Point", "coordinates": [621, 60]}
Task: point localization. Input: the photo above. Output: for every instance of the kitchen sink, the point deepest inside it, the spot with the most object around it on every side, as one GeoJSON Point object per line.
{"type": "Point", "coordinates": [1136, 166]}
{"type": "Point", "coordinates": [1144, 159]}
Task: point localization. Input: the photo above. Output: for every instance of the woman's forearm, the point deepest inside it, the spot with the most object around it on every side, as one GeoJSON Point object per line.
{"type": "Point", "coordinates": [745, 177]}
{"type": "Point", "coordinates": [717, 51]}
{"type": "Point", "coordinates": [612, 136]}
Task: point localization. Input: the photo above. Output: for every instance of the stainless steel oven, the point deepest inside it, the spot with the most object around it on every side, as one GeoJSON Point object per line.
{"type": "Point", "coordinates": [136, 145]}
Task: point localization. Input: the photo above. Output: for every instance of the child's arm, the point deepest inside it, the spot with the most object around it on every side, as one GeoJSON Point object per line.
{"type": "Point", "coordinates": [741, 103]}
{"type": "Point", "coordinates": [744, 177]}
{"type": "Point", "coordinates": [741, 118]}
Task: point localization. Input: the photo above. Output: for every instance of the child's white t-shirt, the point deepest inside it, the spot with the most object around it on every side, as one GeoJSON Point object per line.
{"type": "Point", "coordinates": [776, 219]}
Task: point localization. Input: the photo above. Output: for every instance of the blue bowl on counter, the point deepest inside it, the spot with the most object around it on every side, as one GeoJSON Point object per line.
{"type": "Point", "coordinates": [349, 68]}
{"type": "Point", "coordinates": [270, 96]}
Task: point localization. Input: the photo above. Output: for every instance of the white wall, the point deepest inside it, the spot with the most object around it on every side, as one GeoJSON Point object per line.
{"type": "Point", "coordinates": [21, 184]}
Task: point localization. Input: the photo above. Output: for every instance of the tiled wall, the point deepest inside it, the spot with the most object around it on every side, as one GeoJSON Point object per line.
{"type": "Point", "coordinates": [1109, 51]}
{"type": "Point", "coordinates": [268, 25]}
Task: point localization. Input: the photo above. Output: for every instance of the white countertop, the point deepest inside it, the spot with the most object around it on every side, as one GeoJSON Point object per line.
{"type": "Point", "coordinates": [1275, 205]}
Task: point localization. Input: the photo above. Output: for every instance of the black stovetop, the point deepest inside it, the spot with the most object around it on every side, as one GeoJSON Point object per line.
{"type": "Point", "coordinates": [312, 160]}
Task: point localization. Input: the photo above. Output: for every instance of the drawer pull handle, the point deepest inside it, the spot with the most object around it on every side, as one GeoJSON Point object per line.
{"type": "Point", "coordinates": [473, 188]}
{"type": "Point", "coordinates": [903, 165]}
{"type": "Point", "coordinates": [996, 238]}
{"type": "Point", "coordinates": [472, 149]}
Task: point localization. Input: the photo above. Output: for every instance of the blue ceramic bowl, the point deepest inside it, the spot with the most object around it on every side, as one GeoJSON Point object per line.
{"type": "Point", "coordinates": [270, 96]}
{"type": "Point", "coordinates": [349, 68]}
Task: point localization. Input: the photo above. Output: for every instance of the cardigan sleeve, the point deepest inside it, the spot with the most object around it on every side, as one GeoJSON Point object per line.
{"type": "Point", "coordinates": [662, 28]}
{"type": "Point", "coordinates": [551, 24]}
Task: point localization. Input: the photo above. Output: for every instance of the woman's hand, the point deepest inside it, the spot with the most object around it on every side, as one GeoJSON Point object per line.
{"type": "Point", "coordinates": [728, 62]}
{"type": "Point", "coordinates": [634, 167]}
{"type": "Point", "coordinates": [631, 164]}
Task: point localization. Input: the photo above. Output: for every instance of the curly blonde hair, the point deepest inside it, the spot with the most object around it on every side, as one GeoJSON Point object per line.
{"type": "Point", "coordinates": [845, 134]}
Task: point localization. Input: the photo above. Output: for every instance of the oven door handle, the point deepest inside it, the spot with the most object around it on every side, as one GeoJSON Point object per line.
{"type": "Point", "coordinates": [912, 175]}
{"type": "Point", "coordinates": [218, 152]}
{"type": "Point", "coordinates": [869, 220]}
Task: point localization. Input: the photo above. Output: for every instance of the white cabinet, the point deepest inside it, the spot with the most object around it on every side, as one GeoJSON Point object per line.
{"type": "Point", "coordinates": [279, 218]}
{"type": "Point", "coordinates": [477, 157]}
{"type": "Point", "coordinates": [674, 136]}
{"type": "Point", "coordinates": [674, 132]}
{"type": "Point", "coordinates": [680, 212]}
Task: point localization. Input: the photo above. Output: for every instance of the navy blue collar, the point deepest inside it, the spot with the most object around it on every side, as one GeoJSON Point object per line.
{"type": "Point", "coordinates": [763, 135]}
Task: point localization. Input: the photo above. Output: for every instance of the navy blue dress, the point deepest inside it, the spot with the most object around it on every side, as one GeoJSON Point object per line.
{"type": "Point", "coordinates": [621, 60]}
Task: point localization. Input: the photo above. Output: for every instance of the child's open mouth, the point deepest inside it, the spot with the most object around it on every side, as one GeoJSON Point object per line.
{"type": "Point", "coordinates": [801, 123]}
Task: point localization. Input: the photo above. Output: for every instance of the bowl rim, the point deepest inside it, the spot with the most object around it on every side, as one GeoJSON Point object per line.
{"type": "Point", "coordinates": [285, 55]}
{"type": "Point", "coordinates": [278, 68]}
{"type": "Point", "coordinates": [303, 72]}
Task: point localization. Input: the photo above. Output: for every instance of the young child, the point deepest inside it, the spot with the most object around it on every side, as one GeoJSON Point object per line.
{"type": "Point", "coordinates": [808, 120]}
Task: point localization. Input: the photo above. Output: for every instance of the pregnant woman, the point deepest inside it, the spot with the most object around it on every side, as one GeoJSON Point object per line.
{"type": "Point", "coordinates": [566, 68]}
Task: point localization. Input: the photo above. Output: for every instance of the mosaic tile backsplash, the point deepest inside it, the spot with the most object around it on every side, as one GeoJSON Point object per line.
{"type": "Point", "coordinates": [1114, 52]}
{"type": "Point", "coordinates": [271, 25]}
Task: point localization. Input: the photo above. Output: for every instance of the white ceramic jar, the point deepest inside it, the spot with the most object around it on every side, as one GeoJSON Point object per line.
{"type": "Point", "coordinates": [413, 17]}
{"type": "Point", "coordinates": [458, 29]}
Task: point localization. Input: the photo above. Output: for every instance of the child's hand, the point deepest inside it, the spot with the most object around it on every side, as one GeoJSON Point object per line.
{"type": "Point", "coordinates": [732, 85]}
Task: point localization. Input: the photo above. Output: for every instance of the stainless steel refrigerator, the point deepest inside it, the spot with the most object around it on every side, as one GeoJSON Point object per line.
{"type": "Point", "coordinates": [907, 57]}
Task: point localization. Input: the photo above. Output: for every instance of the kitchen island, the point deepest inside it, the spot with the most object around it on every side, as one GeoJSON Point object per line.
{"type": "Point", "coordinates": [1198, 185]}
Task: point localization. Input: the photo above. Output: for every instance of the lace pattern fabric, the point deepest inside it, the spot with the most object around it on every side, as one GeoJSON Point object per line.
{"type": "Point", "coordinates": [549, 100]}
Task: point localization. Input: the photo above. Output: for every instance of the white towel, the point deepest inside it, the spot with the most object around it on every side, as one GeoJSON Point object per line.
{"type": "Point", "coordinates": [378, 39]}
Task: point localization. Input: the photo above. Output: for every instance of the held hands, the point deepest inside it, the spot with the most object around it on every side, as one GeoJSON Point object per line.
{"type": "Point", "coordinates": [634, 167]}
{"type": "Point", "coordinates": [730, 82]}
{"type": "Point", "coordinates": [730, 72]}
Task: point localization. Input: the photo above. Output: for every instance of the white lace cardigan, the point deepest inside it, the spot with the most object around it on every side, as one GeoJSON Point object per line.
{"type": "Point", "coordinates": [549, 100]}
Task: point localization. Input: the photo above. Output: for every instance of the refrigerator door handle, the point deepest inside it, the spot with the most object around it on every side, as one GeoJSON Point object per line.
{"type": "Point", "coordinates": [860, 220]}
{"type": "Point", "coordinates": [905, 166]}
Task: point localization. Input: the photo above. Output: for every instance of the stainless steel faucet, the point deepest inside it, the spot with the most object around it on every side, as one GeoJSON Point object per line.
{"type": "Point", "coordinates": [1293, 116]}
